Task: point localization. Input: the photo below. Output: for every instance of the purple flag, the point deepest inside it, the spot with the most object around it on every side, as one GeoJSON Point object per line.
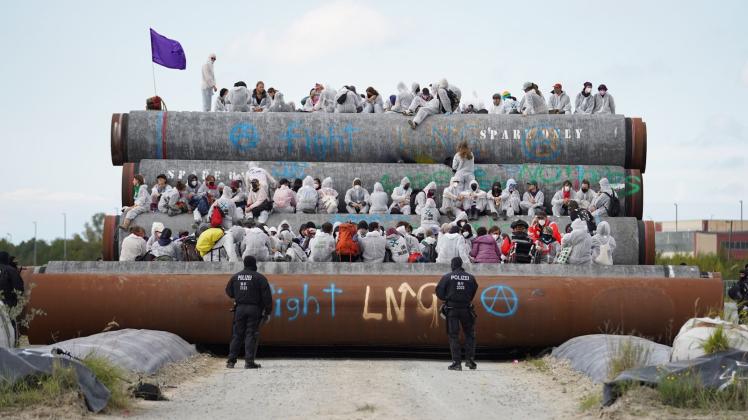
{"type": "Point", "coordinates": [167, 52]}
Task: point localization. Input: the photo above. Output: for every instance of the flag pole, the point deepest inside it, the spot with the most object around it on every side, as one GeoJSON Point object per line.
{"type": "Point", "coordinates": [153, 68]}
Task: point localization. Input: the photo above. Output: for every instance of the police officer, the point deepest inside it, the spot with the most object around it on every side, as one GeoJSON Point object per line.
{"type": "Point", "coordinates": [253, 304]}
{"type": "Point", "coordinates": [457, 289]}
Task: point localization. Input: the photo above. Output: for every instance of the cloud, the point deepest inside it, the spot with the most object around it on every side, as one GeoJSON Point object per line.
{"type": "Point", "coordinates": [318, 33]}
{"type": "Point", "coordinates": [36, 195]}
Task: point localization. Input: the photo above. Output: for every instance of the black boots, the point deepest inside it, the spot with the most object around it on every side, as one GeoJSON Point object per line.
{"type": "Point", "coordinates": [455, 366]}
{"type": "Point", "coordinates": [471, 364]}
{"type": "Point", "coordinates": [230, 364]}
{"type": "Point", "coordinates": [251, 365]}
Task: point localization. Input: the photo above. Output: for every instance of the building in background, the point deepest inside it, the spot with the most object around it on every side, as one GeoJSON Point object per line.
{"type": "Point", "coordinates": [702, 237]}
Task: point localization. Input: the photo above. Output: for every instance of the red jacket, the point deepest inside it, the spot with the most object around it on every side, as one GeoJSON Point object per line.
{"type": "Point", "coordinates": [534, 232]}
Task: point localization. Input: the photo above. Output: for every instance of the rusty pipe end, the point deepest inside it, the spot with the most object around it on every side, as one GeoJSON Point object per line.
{"type": "Point", "coordinates": [638, 144]}
{"type": "Point", "coordinates": [128, 173]}
{"type": "Point", "coordinates": [634, 193]}
{"type": "Point", "coordinates": [109, 238]}
{"type": "Point", "coordinates": [118, 140]}
{"type": "Point", "coordinates": [648, 247]}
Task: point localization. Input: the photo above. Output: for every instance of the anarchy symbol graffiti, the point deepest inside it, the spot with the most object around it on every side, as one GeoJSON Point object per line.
{"type": "Point", "coordinates": [499, 300]}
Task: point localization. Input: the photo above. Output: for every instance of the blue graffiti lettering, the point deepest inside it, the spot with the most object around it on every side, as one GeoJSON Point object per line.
{"type": "Point", "coordinates": [317, 144]}
{"type": "Point", "coordinates": [292, 307]}
{"type": "Point", "coordinates": [244, 136]}
{"type": "Point", "coordinates": [332, 291]}
{"type": "Point", "coordinates": [289, 170]}
{"type": "Point", "coordinates": [499, 300]}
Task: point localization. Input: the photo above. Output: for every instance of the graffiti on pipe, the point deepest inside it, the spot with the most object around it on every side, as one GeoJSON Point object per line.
{"type": "Point", "coordinates": [396, 310]}
{"type": "Point", "coordinates": [292, 308]}
{"type": "Point", "coordinates": [499, 300]}
{"type": "Point", "coordinates": [244, 136]}
{"type": "Point", "coordinates": [319, 144]}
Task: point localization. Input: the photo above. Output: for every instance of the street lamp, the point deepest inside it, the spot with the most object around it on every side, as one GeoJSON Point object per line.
{"type": "Point", "coordinates": [741, 215]}
{"type": "Point", "coordinates": [676, 216]}
{"type": "Point", "coordinates": [64, 237]}
{"type": "Point", "coordinates": [35, 226]}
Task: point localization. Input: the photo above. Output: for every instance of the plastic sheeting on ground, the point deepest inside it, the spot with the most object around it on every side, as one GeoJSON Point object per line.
{"type": "Point", "coordinates": [689, 343]}
{"type": "Point", "coordinates": [591, 354]}
{"type": "Point", "coordinates": [714, 372]}
{"type": "Point", "coordinates": [16, 365]}
{"type": "Point", "coordinates": [141, 351]}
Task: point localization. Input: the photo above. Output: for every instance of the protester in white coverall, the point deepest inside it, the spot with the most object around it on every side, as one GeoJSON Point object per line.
{"type": "Point", "coordinates": [604, 103]}
{"type": "Point", "coordinates": [508, 103]}
{"type": "Point", "coordinates": [428, 192]}
{"type": "Point", "coordinates": [421, 98]}
{"type": "Point", "coordinates": [347, 101]}
{"type": "Point", "coordinates": [328, 198]}
{"type": "Point", "coordinates": [226, 204]}
{"type": "Point", "coordinates": [277, 104]}
{"type": "Point", "coordinates": [451, 199]}
{"type": "Point", "coordinates": [473, 200]}
{"type": "Point", "coordinates": [401, 197]}
{"type": "Point", "coordinates": [603, 241]}
{"type": "Point", "coordinates": [208, 85]}
{"type": "Point", "coordinates": [326, 102]}
{"type": "Point", "coordinates": [532, 199]}
{"type": "Point", "coordinates": [559, 102]}
{"type": "Point", "coordinates": [561, 199]}
{"type": "Point", "coordinates": [239, 98]}
{"type": "Point", "coordinates": [496, 105]}
{"type": "Point", "coordinates": [585, 102]}
{"type": "Point", "coordinates": [357, 198]}
{"type": "Point", "coordinates": [221, 103]}
{"type": "Point", "coordinates": [257, 244]}
{"type": "Point", "coordinates": [533, 102]}
{"type": "Point", "coordinates": [580, 241]}
{"type": "Point", "coordinates": [452, 244]}
{"type": "Point", "coordinates": [307, 197]}
{"type": "Point", "coordinates": [373, 103]}
{"type": "Point", "coordinates": [435, 106]}
{"type": "Point", "coordinates": [141, 201]}
{"type": "Point", "coordinates": [403, 98]}
{"type": "Point", "coordinates": [585, 195]}
{"type": "Point", "coordinates": [430, 215]}
{"type": "Point", "coordinates": [510, 199]}
{"type": "Point", "coordinates": [378, 200]}
{"type": "Point", "coordinates": [463, 163]}
{"type": "Point", "coordinates": [601, 202]}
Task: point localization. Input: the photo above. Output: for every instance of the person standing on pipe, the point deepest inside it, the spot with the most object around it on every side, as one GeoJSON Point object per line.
{"type": "Point", "coordinates": [208, 85]}
{"type": "Point", "coordinates": [457, 289]}
{"type": "Point", "coordinates": [253, 304]}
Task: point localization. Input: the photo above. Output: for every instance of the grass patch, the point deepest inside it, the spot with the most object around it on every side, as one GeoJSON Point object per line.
{"type": "Point", "coordinates": [49, 389]}
{"type": "Point", "coordinates": [539, 364]}
{"type": "Point", "coordinates": [591, 401]}
{"type": "Point", "coordinates": [366, 408]}
{"type": "Point", "coordinates": [112, 378]}
{"type": "Point", "coordinates": [627, 354]}
{"type": "Point", "coordinates": [686, 391]}
{"type": "Point", "coordinates": [717, 341]}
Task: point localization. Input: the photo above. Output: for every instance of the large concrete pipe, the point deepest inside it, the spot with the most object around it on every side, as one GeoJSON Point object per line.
{"type": "Point", "coordinates": [318, 137]}
{"type": "Point", "coordinates": [627, 183]}
{"type": "Point", "coordinates": [327, 304]}
{"type": "Point", "coordinates": [634, 238]}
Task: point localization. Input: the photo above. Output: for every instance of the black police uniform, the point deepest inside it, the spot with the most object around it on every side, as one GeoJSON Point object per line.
{"type": "Point", "coordinates": [251, 293]}
{"type": "Point", "coordinates": [457, 289]}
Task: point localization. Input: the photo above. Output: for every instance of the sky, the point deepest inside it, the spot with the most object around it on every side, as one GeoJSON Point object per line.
{"type": "Point", "coordinates": [680, 65]}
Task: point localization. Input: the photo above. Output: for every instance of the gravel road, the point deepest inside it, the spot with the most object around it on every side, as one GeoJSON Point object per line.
{"type": "Point", "coordinates": [365, 389]}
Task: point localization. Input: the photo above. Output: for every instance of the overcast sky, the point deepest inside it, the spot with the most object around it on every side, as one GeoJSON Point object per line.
{"type": "Point", "coordinates": [682, 66]}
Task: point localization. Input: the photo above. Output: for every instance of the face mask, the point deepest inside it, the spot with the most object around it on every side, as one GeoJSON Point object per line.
{"type": "Point", "coordinates": [567, 189]}
{"type": "Point", "coordinates": [474, 187]}
{"type": "Point", "coordinates": [495, 237]}
{"type": "Point", "coordinates": [587, 90]}
{"type": "Point", "coordinates": [316, 186]}
{"type": "Point", "coordinates": [545, 238]}
{"type": "Point", "coordinates": [430, 194]}
{"type": "Point", "coordinates": [193, 184]}
{"type": "Point", "coordinates": [455, 184]}
{"type": "Point", "coordinates": [584, 190]}
{"type": "Point", "coordinates": [541, 222]}
{"type": "Point", "coordinates": [466, 234]}
{"type": "Point", "coordinates": [406, 186]}
{"type": "Point", "coordinates": [601, 92]}
{"type": "Point", "coordinates": [357, 186]}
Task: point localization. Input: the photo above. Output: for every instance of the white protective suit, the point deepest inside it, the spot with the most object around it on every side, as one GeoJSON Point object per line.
{"type": "Point", "coordinates": [560, 102]}
{"type": "Point", "coordinates": [168, 203]}
{"type": "Point", "coordinates": [277, 104]}
{"type": "Point", "coordinates": [509, 106]}
{"type": "Point", "coordinates": [133, 246]}
{"type": "Point", "coordinates": [357, 194]}
{"type": "Point", "coordinates": [603, 241]}
{"type": "Point", "coordinates": [373, 246]}
{"type": "Point", "coordinates": [267, 181]}
{"type": "Point", "coordinates": [604, 104]}
{"type": "Point", "coordinates": [465, 170]}
{"type": "Point", "coordinates": [510, 199]}
{"type": "Point", "coordinates": [601, 202]}
{"type": "Point", "coordinates": [373, 106]}
{"type": "Point", "coordinates": [423, 195]}
{"type": "Point", "coordinates": [404, 97]}
{"type": "Point", "coordinates": [238, 99]}
{"type": "Point", "coordinates": [434, 106]}
{"type": "Point", "coordinates": [557, 202]}
{"type": "Point", "coordinates": [326, 101]}
{"type": "Point", "coordinates": [532, 103]}
{"type": "Point", "coordinates": [262, 102]}
{"type": "Point", "coordinates": [328, 198]}
{"type": "Point", "coordinates": [584, 104]}
{"type": "Point", "coordinates": [580, 241]}
{"type": "Point", "coordinates": [221, 104]}
{"type": "Point", "coordinates": [141, 205]}
{"type": "Point", "coordinates": [451, 199]}
{"type": "Point", "coordinates": [208, 83]}
{"type": "Point", "coordinates": [257, 244]}
{"type": "Point", "coordinates": [321, 247]}
{"type": "Point", "coordinates": [412, 241]}
{"type": "Point", "coordinates": [378, 200]}
{"type": "Point", "coordinates": [474, 197]}
{"type": "Point", "coordinates": [228, 206]}
{"type": "Point", "coordinates": [452, 245]}
{"type": "Point", "coordinates": [401, 196]}
{"type": "Point", "coordinates": [584, 199]}
{"type": "Point", "coordinates": [398, 247]}
{"type": "Point", "coordinates": [496, 109]}
{"type": "Point", "coordinates": [351, 104]}
{"type": "Point", "coordinates": [429, 215]}
{"type": "Point", "coordinates": [530, 204]}
{"type": "Point", "coordinates": [307, 197]}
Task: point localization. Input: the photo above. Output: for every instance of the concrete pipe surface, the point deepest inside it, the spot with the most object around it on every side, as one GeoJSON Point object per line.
{"type": "Point", "coordinates": [331, 306]}
{"type": "Point", "coordinates": [378, 138]}
{"type": "Point", "coordinates": [627, 183]}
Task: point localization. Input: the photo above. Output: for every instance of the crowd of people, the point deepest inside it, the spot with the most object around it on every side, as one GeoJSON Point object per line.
{"type": "Point", "coordinates": [232, 218]}
{"type": "Point", "coordinates": [419, 103]}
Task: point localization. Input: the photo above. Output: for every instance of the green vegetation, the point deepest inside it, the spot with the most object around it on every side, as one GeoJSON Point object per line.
{"type": "Point", "coordinates": [61, 388]}
{"type": "Point", "coordinates": [627, 354]}
{"type": "Point", "coordinates": [81, 247]}
{"type": "Point", "coordinates": [711, 262]}
{"type": "Point", "coordinates": [366, 408]}
{"type": "Point", "coordinates": [686, 391]}
{"type": "Point", "coordinates": [591, 401]}
{"type": "Point", "coordinates": [717, 341]}
{"type": "Point", "coordinates": [539, 364]}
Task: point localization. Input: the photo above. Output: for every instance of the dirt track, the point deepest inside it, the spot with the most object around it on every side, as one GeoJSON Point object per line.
{"type": "Point", "coordinates": [349, 389]}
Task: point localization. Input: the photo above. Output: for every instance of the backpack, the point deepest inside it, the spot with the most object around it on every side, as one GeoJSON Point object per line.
{"type": "Point", "coordinates": [429, 254]}
{"type": "Point", "coordinates": [346, 245]}
{"type": "Point", "coordinates": [216, 217]}
{"type": "Point", "coordinates": [342, 98]}
{"type": "Point", "coordinates": [586, 216]}
{"type": "Point", "coordinates": [604, 257]}
{"type": "Point", "coordinates": [521, 251]}
{"type": "Point", "coordinates": [453, 101]}
{"type": "Point", "coordinates": [189, 252]}
{"type": "Point", "coordinates": [614, 207]}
